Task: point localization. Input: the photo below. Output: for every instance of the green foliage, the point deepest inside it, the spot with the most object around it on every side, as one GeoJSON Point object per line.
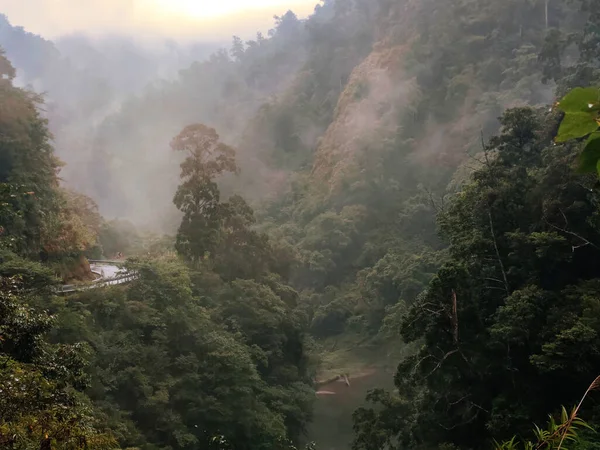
{"type": "Point", "coordinates": [591, 154]}
{"type": "Point", "coordinates": [167, 371]}
{"type": "Point", "coordinates": [38, 219]}
{"type": "Point", "coordinates": [212, 354]}
{"type": "Point", "coordinates": [576, 125]}
{"type": "Point", "coordinates": [512, 308]}
{"type": "Point", "coordinates": [198, 196]}
{"type": "Point", "coordinates": [28, 168]}
{"type": "Point", "coordinates": [557, 435]}
{"type": "Point", "coordinates": [582, 118]}
{"type": "Point", "coordinates": [41, 404]}
{"type": "Point", "coordinates": [216, 232]}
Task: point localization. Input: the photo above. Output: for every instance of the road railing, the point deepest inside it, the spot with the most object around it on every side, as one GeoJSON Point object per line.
{"type": "Point", "coordinates": [121, 279]}
{"type": "Point", "coordinates": [117, 262]}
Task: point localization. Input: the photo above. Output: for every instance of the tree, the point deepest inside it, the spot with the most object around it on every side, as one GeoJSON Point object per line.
{"type": "Point", "coordinates": [210, 229]}
{"type": "Point", "coordinates": [198, 196]}
{"type": "Point", "coordinates": [274, 332]}
{"type": "Point", "coordinates": [237, 48]}
{"type": "Point", "coordinates": [41, 404]}
{"type": "Point", "coordinates": [28, 167]}
{"type": "Point", "coordinates": [168, 372]}
{"type": "Point", "coordinates": [74, 229]}
{"type": "Point", "coordinates": [242, 252]}
{"type": "Point", "coordinates": [508, 317]}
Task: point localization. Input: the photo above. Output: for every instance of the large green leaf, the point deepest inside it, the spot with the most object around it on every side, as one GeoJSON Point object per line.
{"type": "Point", "coordinates": [590, 157]}
{"type": "Point", "coordinates": [576, 125]}
{"type": "Point", "coordinates": [580, 99]}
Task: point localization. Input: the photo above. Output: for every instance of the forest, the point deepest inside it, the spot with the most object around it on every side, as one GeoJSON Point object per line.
{"type": "Point", "coordinates": [374, 228]}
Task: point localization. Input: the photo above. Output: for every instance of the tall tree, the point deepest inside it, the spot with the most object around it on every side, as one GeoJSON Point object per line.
{"type": "Point", "coordinates": [198, 196]}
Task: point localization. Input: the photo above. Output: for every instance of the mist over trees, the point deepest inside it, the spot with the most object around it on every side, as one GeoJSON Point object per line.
{"type": "Point", "coordinates": [383, 180]}
{"type": "Point", "coordinates": [84, 81]}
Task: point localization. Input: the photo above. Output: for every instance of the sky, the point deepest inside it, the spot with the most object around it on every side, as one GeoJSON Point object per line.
{"type": "Point", "coordinates": [216, 19]}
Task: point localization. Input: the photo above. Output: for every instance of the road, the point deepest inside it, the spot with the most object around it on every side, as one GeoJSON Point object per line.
{"type": "Point", "coordinates": [106, 271]}
{"type": "Point", "coordinates": [110, 274]}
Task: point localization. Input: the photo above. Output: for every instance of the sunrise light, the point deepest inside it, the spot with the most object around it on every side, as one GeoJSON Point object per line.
{"type": "Point", "coordinates": [208, 9]}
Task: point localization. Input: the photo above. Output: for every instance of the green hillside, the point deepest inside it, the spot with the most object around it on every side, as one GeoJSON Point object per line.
{"type": "Point", "coordinates": [358, 231]}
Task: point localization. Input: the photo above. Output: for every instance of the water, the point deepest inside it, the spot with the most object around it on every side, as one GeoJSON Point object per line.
{"type": "Point", "coordinates": [331, 428]}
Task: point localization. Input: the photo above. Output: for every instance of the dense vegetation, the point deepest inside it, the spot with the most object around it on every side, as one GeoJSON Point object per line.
{"type": "Point", "coordinates": [180, 357]}
{"type": "Point", "coordinates": [382, 172]}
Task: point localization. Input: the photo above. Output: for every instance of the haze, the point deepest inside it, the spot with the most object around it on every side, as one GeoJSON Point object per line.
{"type": "Point", "coordinates": [373, 227]}
{"type": "Point", "coordinates": [175, 18]}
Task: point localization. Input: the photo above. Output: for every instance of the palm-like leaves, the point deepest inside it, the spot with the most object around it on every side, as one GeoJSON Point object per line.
{"type": "Point", "coordinates": [557, 434]}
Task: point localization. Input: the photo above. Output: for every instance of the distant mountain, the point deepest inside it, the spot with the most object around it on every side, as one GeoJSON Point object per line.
{"type": "Point", "coordinates": [85, 79]}
{"type": "Point", "coordinates": [120, 62]}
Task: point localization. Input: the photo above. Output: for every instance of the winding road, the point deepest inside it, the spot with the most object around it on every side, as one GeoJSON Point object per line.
{"type": "Point", "coordinates": [110, 274]}
{"type": "Point", "coordinates": [106, 270]}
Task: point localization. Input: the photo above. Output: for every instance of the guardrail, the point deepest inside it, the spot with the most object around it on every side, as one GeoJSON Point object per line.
{"type": "Point", "coordinates": [70, 288]}
{"type": "Point", "coordinates": [107, 261]}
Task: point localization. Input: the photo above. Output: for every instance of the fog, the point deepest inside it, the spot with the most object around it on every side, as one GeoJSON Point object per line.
{"type": "Point", "coordinates": [120, 79]}
{"type": "Point", "coordinates": [115, 100]}
{"type": "Point", "coordinates": [353, 121]}
{"type": "Point", "coordinates": [151, 19]}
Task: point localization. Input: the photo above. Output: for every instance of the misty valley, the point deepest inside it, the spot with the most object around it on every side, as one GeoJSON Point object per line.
{"type": "Point", "coordinates": [376, 227]}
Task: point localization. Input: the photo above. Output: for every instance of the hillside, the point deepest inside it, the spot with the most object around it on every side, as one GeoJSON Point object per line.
{"type": "Point", "coordinates": [84, 80]}
{"type": "Point", "coordinates": [376, 191]}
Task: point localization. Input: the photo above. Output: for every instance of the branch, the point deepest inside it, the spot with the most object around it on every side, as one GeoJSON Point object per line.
{"type": "Point", "coordinates": [454, 318]}
{"type": "Point", "coordinates": [459, 424]}
{"type": "Point", "coordinates": [479, 407]}
{"type": "Point", "coordinates": [441, 362]}
{"type": "Point", "coordinates": [438, 209]}
{"type": "Point", "coordinates": [485, 150]}
{"type": "Point", "coordinates": [493, 279]}
{"type": "Point", "coordinates": [498, 253]}
{"type": "Point", "coordinates": [416, 366]}
{"type": "Point", "coordinates": [581, 238]}
{"type": "Point", "coordinates": [459, 400]}
{"type": "Point", "coordinates": [431, 311]}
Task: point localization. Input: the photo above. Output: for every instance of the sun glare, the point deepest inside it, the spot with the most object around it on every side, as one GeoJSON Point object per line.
{"type": "Point", "coordinates": [207, 9]}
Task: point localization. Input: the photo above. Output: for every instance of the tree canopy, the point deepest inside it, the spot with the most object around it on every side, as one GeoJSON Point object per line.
{"type": "Point", "coordinates": [384, 183]}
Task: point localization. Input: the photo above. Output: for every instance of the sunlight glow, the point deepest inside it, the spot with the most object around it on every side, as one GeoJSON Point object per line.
{"type": "Point", "coordinates": [210, 9]}
{"type": "Point", "coordinates": [178, 19]}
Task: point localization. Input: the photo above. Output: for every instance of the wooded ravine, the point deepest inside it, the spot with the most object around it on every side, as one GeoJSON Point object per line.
{"type": "Point", "coordinates": [377, 227]}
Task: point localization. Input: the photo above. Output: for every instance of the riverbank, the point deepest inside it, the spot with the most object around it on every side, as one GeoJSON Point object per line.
{"type": "Point", "coordinates": [368, 363]}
